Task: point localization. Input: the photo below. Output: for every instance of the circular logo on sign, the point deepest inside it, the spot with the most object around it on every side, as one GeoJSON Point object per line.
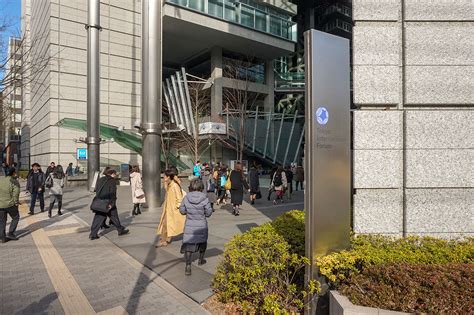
{"type": "Point", "coordinates": [322, 115]}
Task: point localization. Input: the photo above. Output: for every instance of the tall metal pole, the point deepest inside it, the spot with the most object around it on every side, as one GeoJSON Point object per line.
{"type": "Point", "coordinates": [93, 90]}
{"type": "Point", "coordinates": [151, 100]}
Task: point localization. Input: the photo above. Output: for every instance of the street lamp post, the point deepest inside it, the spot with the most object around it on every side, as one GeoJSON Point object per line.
{"type": "Point", "coordinates": [93, 90]}
{"type": "Point", "coordinates": [151, 100]}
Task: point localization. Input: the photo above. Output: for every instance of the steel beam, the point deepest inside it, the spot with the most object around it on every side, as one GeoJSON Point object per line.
{"type": "Point", "coordinates": [93, 91]}
{"type": "Point", "coordinates": [268, 133]}
{"type": "Point", "coordinates": [279, 135]}
{"type": "Point", "coordinates": [290, 138]}
{"type": "Point", "coordinates": [151, 100]}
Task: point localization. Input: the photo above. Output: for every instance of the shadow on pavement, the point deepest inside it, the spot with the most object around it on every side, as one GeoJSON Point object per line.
{"type": "Point", "coordinates": [40, 307]}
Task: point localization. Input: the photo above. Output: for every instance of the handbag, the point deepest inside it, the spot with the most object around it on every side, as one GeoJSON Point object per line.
{"type": "Point", "coordinates": [139, 193]}
{"type": "Point", "coordinates": [228, 184]}
{"type": "Point", "coordinates": [100, 205]}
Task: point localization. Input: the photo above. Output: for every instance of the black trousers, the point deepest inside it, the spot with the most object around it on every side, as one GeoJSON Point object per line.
{"type": "Point", "coordinates": [300, 184]}
{"type": "Point", "coordinates": [14, 214]}
{"type": "Point", "coordinates": [99, 220]}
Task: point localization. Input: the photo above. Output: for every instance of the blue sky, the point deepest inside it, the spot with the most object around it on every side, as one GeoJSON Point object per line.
{"type": "Point", "coordinates": [10, 13]}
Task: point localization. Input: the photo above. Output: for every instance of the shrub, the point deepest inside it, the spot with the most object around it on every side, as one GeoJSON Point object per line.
{"type": "Point", "coordinates": [367, 251]}
{"type": "Point", "coordinates": [414, 288]}
{"type": "Point", "coordinates": [291, 227]}
{"type": "Point", "coordinates": [256, 273]}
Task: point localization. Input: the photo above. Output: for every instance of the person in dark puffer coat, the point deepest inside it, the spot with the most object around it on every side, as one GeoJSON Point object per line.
{"type": "Point", "coordinates": [197, 208]}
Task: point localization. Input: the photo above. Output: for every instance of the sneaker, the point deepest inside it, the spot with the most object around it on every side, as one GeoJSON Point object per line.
{"type": "Point", "coordinates": [123, 232]}
{"type": "Point", "coordinates": [237, 213]}
{"type": "Point", "coordinates": [12, 237]}
{"type": "Point", "coordinates": [31, 213]}
{"type": "Point", "coordinates": [59, 212]}
{"type": "Point", "coordinates": [202, 262]}
{"type": "Point", "coordinates": [252, 202]}
{"type": "Point", "coordinates": [94, 237]}
{"type": "Point", "coordinates": [3, 240]}
{"type": "Point", "coordinates": [187, 270]}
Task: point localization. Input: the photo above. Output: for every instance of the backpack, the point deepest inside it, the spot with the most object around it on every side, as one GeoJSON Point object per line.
{"type": "Point", "coordinates": [211, 187]}
{"type": "Point", "coordinates": [277, 180]}
{"type": "Point", "coordinates": [49, 182]}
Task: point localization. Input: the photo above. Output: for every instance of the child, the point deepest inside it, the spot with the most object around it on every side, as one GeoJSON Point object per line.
{"type": "Point", "coordinates": [197, 208]}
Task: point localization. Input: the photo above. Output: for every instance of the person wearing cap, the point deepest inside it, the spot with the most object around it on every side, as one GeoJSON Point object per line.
{"type": "Point", "coordinates": [106, 189]}
{"type": "Point", "coordinates": [35, 186]}
{"type": "Point", "coordinates": [9, 201]}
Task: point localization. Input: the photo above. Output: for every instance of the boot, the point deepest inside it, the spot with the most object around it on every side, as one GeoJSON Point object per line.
{"type": "Point", "coordinates": [201, 260]}
{"type": "Point", "coordinates": [59, 212]}
{"type": "Point", "coordinates": [187, 270]}
{"type": "Point", "coordinates": [49, 213]}
{"type": "Point", "coordinates": [12, 237]}
{"type": "Point", "coordinates": [138, 209]}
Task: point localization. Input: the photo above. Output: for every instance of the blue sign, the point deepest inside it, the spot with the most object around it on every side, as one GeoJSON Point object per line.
{"type": "Point", "coordinates": [82, 154]}
{"type": "Point", "coordinates": [322, 115]}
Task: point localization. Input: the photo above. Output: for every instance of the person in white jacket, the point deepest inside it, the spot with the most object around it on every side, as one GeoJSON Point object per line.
{"type": "Point", "coordinates": [138, 195]}
{"type": "Point", "coordinates": [55, 183]}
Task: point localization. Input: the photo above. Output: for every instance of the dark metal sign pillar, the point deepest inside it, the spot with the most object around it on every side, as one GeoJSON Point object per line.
{"type": "Point", "coordinates": [151, 100]}
{"type": "Point", "coordinates": [327, 149]}
{"type": "Point", "coordinates": [93, 90]}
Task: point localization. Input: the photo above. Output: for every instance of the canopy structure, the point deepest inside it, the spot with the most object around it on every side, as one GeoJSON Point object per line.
{"type": "Point", "coordinates": [125, 138]}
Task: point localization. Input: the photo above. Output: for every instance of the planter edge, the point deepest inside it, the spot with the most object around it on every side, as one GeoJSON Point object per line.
{"type": "Point", "coordinates": [340, 305]}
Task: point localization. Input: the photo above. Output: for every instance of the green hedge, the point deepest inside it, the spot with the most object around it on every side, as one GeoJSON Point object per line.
{"type": "Point", "coordinates": [414, 288]}
{"type": "Point", "coordinates": [258, 273]}
{"type": "Point", "coordinates": [291, 227]}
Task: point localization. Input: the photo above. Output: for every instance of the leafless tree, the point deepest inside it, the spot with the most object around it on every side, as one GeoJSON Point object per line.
{"type": "Point", "coordinates": [239, 99]}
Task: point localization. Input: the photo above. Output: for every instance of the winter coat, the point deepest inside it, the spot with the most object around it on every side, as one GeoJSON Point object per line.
{"type": "Point", "coordinates": [205, 179]}
{"type": "Point", "coordinates": [106, 189]}
{"type": "Point", "coordinates": [237, 191]}
{"type": "Point", "coordinates": [135, 184]}
{"type": "Point", "coordinates": [283, 180]}
{"type": "Point", "coordinates": [9, 192]}
{"type": "Point", "coordinates": [254, 181]}
{"type": "Point", "coordinates": [197, 208]}
{"type": "Point", "coordinates": [57, 188]}
{"type": "Point", "coordinates": [171, 219]}
{"type": "Point", "coordinates": [35, 181]}
{"type": "Point", "coordinates": [299, 174]}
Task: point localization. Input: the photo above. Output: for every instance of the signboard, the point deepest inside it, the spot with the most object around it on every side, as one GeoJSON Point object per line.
{"type": "Point", "coordinates": [212, 128]}
{"type": "Point", "coordinates": [81, 154]}
{"type": "Point", "coordinates": [327, 151]}
{"type": "Point", "coordinates": [125, 172]}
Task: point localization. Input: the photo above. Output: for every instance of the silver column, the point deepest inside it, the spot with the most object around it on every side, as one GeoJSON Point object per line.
{"type": "Point", "coordinates": [151, 100]}
{"type": "Point", "coordinates": [93, 90]}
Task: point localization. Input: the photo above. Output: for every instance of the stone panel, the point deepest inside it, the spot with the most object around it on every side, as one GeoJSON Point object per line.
{"type": "Point", "coordinates": [377, 168]}
{"type": "Point", "coordinates": [383, 10]}
{"type": "Point", "coordinates": [434, 43]}
{"type": "Point", "coordinates": [376, 43]}
{"type": "Point", "coordinates": [375, 129]}
{"type": "Point", "coordinates": [434, 211]}
{"type": "Point", "coordinates": [431, 85]}
{"type": "Point", "coordinates": [445, 10]}
{"type": "Point", "coordinates": [440, 168]}
{"type": "Point", "coordinates": [378, 211]}
{"type": "Point", "coordinates": [376, 85]}
{"type": "Point", "coordinates": [439, 129]}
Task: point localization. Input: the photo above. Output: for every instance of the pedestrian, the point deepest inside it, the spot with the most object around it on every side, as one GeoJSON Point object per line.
{"type": "Point", "coordinates": [289, 179]}
{"type": "Point", "coordinates": [106, 191]}
{"type": "Point", "coordinates": [35, 186]}
{"type": "Point", "coordinates": [9, 201]}
{"type": "Point", "coordinates": [4, 168]}
{"type": "Point", "coordinates": [299, 177]}
{"type": "Point", "coordinates": [254, 183]}
{"type": "Point", "coordinates": [171, 221]}
{"type": "Point", "coordinates": [138, 195]}
{"type": "Point", "coordinates": [56, 180]}
{"type": "Point", "coordinates": [279, 184]}
{"type": "Point", "coordinates": [197, 169]}
{"type": "Point", "coordinates": [271, 188]}
{"type": "Point", "coordinates": [221, 191]}
{"type": "Point", "coordinates": [50, 169]}
{"type": "Point", "coordinates": [209, 186]}
{"type": "Point", "coordinates": [197, 208]}
{"type": "Point", "coordinates": [238, 183]}
{"type": "Point", "coordinates": [70, 170]}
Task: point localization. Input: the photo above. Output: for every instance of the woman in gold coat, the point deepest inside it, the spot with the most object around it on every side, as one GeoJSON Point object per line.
{"type": "Point", "coordinates": [172, 221]}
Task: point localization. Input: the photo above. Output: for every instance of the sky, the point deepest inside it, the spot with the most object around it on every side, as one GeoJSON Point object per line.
{"type": "Point", "coordinates": [10, 13]}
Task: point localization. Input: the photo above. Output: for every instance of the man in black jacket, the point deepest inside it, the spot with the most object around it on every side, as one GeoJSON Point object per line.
{"type": "Point", "coordinates": [106, 189]}
{"type": "Point", "coordinates": [35, 186]}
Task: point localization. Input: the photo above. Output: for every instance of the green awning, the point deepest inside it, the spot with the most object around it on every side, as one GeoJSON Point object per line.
{"type": "Point", "coordinates": [125, 138]}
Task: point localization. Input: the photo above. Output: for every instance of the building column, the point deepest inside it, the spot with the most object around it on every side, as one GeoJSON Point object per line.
{"type": "Point", "coordinates": [216, 89]}
{"type": "Point", "coordinates": [269, 102]}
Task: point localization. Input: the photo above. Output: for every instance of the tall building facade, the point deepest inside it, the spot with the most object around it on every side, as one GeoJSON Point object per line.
{"type": "Point", "coordinates": [413, 77]}
{"type": "Point", "coordinates": [200, 36]}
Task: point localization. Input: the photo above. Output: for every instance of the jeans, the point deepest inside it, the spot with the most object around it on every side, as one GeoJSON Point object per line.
{"type": "Point", "coordinates": [14, 214]}
{"type": "Point", "coordinates": [34, 196]}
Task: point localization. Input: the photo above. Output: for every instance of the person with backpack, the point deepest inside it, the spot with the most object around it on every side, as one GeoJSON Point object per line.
{"type": "Point", "coordinates": [279, 184]}
{"type": "Point", "coordinates": [238, 183]}
{"type": "Point", "coordinates": [197, 208]}
{"type": "Point", "coordinates": [138, 195]}
{"type": "Point", "coordinates": [55, 183]}
{"type": "Point", "coordinates": [209, 186]}
{"type": "Point", "coordinates": [35, 186]}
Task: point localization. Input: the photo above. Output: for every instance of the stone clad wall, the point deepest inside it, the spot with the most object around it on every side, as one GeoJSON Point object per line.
{"type": "Point", "coordinates": [414, 127]}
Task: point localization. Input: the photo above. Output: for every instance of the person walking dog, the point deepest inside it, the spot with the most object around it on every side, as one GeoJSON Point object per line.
{"type": "Point", "coordinates": [197, 208]}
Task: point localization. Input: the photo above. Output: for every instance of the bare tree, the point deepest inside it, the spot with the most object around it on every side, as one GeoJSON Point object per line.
{"type": "Point", "coordinates": [240, 99]}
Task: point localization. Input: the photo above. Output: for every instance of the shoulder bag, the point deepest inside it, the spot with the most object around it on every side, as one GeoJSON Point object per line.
{"type": "Point", "coordinates": [100, 205]}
